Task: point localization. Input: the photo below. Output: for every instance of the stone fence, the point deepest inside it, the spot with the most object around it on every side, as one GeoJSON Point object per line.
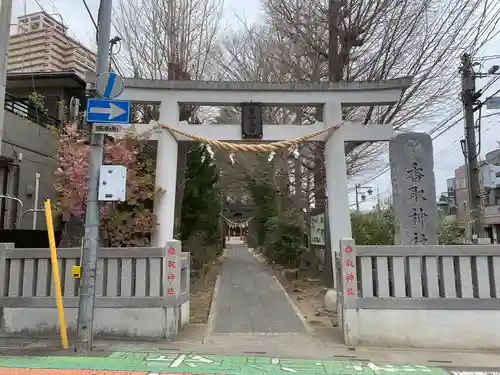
{"type": "Point", "coordinates": [420, 296]}
{"type": "Point", "coordinates": [140, 292]}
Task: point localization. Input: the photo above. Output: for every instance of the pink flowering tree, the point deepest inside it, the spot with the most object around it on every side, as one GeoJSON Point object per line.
{"type": "Point", "coordinates": [122, 223]}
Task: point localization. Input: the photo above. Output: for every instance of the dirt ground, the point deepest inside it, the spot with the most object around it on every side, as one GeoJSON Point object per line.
{"type": "Point", "coordinates": [308, 295]}
{"type": "Point", "coordinates": [202, 290]}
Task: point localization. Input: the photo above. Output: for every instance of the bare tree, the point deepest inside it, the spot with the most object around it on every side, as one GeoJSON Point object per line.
{"type": "Point", "coordinates": [377, 40]}
{"type": "Point", "coordinates": [170, 39]}
{"type": "Point", "coordinates": [374, 40]}
{"type": "Point", "coordinates": [159, 32]}
{"type": "Point", "coordinates": [258, 54]}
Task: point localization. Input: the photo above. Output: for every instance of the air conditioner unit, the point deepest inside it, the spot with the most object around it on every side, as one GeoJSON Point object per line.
{"type": "Point", "coordinates": [489, 176]}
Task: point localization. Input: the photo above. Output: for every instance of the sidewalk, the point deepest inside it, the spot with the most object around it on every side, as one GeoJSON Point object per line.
{"type": "Point", "coordinates": [276, 346]}
{"type": "Point", "coordinates": [160, 358]}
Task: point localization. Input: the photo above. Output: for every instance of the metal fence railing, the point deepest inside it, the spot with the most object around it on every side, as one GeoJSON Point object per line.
{"type": "Point", "coordinates": [24, 109]}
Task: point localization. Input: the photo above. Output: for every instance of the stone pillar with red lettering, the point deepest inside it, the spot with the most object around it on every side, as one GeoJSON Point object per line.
{"type": "Point", "coordinates": [347, 311]}
{"type": "Point", "coordinates": [172, 265]}
{"type": "Point", "coordinates": [348, 267]}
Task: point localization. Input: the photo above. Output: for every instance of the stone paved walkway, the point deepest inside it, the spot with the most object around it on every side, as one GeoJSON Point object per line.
{"type": "Point", "coordinates": [249, 300]}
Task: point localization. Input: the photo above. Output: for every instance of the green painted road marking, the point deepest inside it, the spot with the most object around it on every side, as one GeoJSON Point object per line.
{"type": "Point", "coordinates": [164, 363]}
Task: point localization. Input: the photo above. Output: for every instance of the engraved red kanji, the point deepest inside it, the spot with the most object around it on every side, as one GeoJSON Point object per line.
{"type": "Point", "coordinates": [348, 249]}
{"type": "Point", "coordinates": [171, 251]}
{"type": "Point", "coordinates": [349, 292]}
{"type": "Point", "coordinates": [172, 264]}
{"type": "Point", "coordinates": [349, 276]}
{"type": "Point", "coordinates": [171, 276]}
{"type": "Point", "coordinates": [349, 263]}
{"type": "Point", "coordinates": [171, 291]}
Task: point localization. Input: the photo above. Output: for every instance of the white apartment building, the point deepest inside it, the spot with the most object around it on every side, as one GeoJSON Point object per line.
{"type": "Point", "coordinates": [42, 44]}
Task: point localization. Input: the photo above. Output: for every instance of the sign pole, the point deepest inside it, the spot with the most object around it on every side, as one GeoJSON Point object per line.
{"type": "Point", "coordinates": [92, 219]}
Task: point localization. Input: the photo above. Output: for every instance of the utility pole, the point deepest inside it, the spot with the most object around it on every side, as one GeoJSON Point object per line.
{"type": "Point", "coordinates": [378, 200]}
{"type": "Point", "coordinates": [5, 16]}
{"type": "Point", "coordinates": [91, 245]}
{"type": "Point", "coordinates": [361, 190]}
{"type": "Point", "coordinates": [469, 97]}
{"type": "Point", "coordinates": [356, 188]}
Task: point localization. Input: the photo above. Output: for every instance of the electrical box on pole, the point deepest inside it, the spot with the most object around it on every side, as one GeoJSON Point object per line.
{"type": "Point", "coordinates": [251, 121]}
{"type": "Point", "coordinates": [112, 183]}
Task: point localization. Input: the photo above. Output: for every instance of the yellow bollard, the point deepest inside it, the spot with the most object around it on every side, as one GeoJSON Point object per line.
{"type": "Point", "coordinates": [55, 274]}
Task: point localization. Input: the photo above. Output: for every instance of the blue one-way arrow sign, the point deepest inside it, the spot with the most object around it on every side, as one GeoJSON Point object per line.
{"type": "Point", "coordinates": [108, 111]}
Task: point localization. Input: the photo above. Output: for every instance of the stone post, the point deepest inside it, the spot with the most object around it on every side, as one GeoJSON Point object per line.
{"type": "Point", "coordinates": [349, 277]}
{"type": "Point", "coordinates": [347, 312]}
{"type": "Point", "coordinates": [185, 290]}
{"type": "Point", "coordinates": [172, 264]}
{"type": "Point", "coordinates": [3, 249]}
{"type": "Point", "coordinates": [413, 189]}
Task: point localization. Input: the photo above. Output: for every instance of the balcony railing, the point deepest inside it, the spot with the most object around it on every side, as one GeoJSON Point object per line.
{"type": "Point", "coordinates": [24, 109]}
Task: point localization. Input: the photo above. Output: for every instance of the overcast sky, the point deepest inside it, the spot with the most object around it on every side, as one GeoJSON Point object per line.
{"type": "Point", "coordinates": [447, 151]}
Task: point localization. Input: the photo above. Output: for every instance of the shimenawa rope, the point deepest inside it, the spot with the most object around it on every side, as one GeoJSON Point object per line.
{"type": "Point", "coordinates": [248, 147]}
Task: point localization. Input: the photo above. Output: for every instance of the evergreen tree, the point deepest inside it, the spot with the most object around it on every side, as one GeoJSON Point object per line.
{"type": "Point", "coordinates": [201, 207]}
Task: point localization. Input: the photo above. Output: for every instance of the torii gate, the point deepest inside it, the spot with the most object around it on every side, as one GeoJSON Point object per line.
{"type": "Point", "coordinates": [331, 95]}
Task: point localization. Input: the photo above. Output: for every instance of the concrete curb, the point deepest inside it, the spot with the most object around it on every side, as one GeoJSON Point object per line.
{"type": "Point", "coordinates": [211, 315]}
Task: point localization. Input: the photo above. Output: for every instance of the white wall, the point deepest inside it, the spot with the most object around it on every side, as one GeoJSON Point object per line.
{"type": "Point", "coordinates": [436, 329]}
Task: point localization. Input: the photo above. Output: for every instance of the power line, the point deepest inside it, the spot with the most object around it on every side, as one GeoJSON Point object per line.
{"type": "Point", "coordinates": [387, 166]}
{"type": "Point", "coordinates": [97, 33]}
{"type": "Point", "coordinates": [443, 154]}
{"type": "Point", "coordinates": [91, 16]}
{"type": "Point", "coordinates": [441, 125]}
{"type": "Point", "coordinates": [89, 12]}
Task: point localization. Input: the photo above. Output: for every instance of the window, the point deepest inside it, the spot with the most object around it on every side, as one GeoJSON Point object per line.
{"type": "Point", "coordinates": [35, 26]}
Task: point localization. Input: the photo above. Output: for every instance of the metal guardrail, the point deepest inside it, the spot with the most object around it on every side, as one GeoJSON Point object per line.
{"type": "Point", "coordinates": [24, 109]}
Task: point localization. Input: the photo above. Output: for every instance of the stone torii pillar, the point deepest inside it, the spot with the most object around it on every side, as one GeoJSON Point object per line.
{"type": "Point", "coordinates": [332, 95]}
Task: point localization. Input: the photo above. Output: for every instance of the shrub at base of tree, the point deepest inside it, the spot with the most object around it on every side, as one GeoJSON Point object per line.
{"type": "Point", "coordinates": [284, 241]}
